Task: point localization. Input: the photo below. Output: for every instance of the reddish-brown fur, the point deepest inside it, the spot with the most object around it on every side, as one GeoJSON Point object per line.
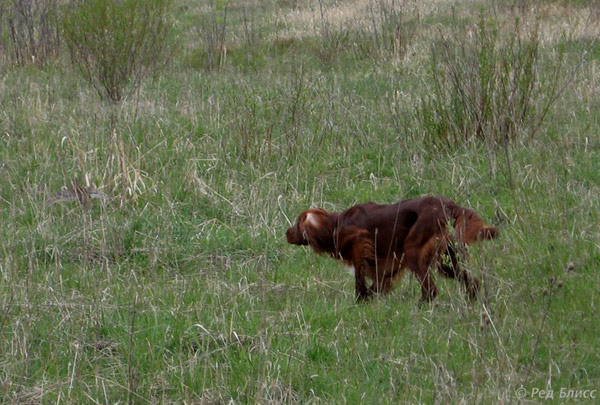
{"type": "Point", "coordinates": [380, 241]}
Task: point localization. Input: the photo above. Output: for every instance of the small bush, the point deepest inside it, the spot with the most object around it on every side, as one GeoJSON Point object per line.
{"type": "Point", "coordinates": [487, 87]}
{"type": "Point", "coordinates": [389, 33]}
{"type": "Point", "coordinates": [211, 31]}
{"type": "Point", "coordinates": [116, 43]}
{"type": "Point", "coordinates": [268, 123]}
{"type": "Point", "coordinates": [330, 44]}
{"type": "Point", "coordinates": [330, 40]}
{"type": "Point", "coordinates": [383, 34]}
{"type": "Point", "coordinates": [28, 31]}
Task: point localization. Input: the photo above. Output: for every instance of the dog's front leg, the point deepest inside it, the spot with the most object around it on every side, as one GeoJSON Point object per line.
{"type": "Point", "coordinates": [362, 254]}
{"type": "Point", "coordinates": [361, 290]}
{"type": "Point", "coordinates": [355, 244]}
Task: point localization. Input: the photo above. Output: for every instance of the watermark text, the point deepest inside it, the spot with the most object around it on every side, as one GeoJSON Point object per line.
{"type": "Point", "coordinates": [549, 393]}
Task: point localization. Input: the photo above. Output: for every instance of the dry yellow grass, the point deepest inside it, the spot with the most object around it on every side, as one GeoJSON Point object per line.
{"type": "Point", "coordinates": [304, 21]}
{"type": "Point", "coordinates": [555, 20]}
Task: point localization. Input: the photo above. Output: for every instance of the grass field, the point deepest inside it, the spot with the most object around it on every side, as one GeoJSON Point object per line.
{"type": "Point", "coordinates": [181, 287]}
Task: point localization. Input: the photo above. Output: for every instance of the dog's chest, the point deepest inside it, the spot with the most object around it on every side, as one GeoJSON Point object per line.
{"type": "Point", "coordinates": [350, 268]}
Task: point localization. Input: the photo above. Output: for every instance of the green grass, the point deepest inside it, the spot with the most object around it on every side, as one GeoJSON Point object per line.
{"type": "Point", "coordinates": [183, 289]}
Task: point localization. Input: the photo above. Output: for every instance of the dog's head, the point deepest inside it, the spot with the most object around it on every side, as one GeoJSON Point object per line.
{"type": "Point", "coordinates": [313, 227]}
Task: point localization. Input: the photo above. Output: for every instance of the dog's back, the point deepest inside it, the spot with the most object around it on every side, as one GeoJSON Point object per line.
{"type": "Point", "coordinates": [390, 224]}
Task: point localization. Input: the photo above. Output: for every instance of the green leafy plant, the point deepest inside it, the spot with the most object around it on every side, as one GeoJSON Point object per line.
{"type": "Point", "coordinates": [116, 43]}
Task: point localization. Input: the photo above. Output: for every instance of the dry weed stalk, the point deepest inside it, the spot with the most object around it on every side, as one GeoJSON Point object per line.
{"type": "Point", "coordinates": [121, 172]}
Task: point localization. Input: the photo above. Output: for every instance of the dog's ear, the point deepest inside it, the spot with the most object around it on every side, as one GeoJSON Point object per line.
{"type": "Point", "coordinates": [319, 228]}
{"type": "Point", "coordinates": [307, 224]}
{"type": "Point", "coordinates": [310, 224]}
{"type": "Point", "coordinates": [314, 227]}
{"type": "Point", "coordinates": [295, 234]}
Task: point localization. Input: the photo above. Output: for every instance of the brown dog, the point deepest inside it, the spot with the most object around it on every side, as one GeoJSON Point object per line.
{"type": "Point", "coordinates": [380, 241]}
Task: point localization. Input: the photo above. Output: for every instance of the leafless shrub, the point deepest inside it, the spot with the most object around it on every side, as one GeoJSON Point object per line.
{"type": "Point", "coordinates": [212, 31]}
{"type": "Point", "coordinates": [490, 88]}
{"type": "Point", "coordinates": [385, 33]}
{"type": "Point", "coordinates": [262, 125]}
{"type": "Point", "coordinates": [331, 40]}
{"type": "Point", "coordinates": [28, 31]}
{"type": "Point", "coordinates": [251, 33]}
{"type": "Point", "coordinates": [389, 33]}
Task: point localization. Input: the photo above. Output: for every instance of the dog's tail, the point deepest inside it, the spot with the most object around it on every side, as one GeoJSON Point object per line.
{"type": "Point", "coordinates": [469, 226]}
